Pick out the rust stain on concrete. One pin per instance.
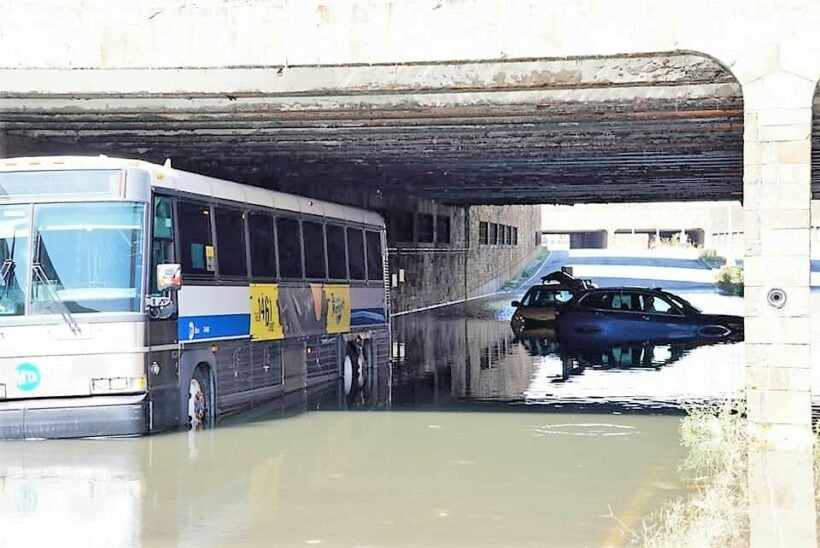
(543, 78)
(538, 79)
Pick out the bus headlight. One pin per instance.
(2, 391)
(118, 384)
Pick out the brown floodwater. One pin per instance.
(469, 436)
(343, 478)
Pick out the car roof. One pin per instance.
(626, 288)
(550, 286)
(656, 291)
(566, 279)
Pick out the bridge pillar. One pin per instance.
(777, 206)
(777, 215)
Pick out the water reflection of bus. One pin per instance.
(102, 336)
(331, 478)
(150, 491)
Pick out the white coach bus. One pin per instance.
(136, 298)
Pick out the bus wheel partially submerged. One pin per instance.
(199, 399)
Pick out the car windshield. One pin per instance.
(546, 296)
(79, 257)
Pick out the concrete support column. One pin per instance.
(777, 201)
(777, 214)
(610, 239)
(781, 498)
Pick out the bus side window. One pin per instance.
(313, 236)
(355, 253)
(195, 240)
(230, 242)
(374, 255)
(289, 243)
(162, 243)
(263, 258)
(336, 252)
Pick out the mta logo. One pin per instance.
(28, 376)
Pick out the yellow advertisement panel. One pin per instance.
(338, 308)
(265, 322)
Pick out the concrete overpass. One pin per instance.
(477, 132)
(462, 102)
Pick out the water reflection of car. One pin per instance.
(539, 304)
(649, 355)
(624, 315)
(538, 341)
(634, 356)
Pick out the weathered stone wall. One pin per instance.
(436, 273)
(490, 266)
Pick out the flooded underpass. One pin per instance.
(472, 436)
(468, 355)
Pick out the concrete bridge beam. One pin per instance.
(777, 211)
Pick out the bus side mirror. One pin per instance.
(515, 304)
(169, 277)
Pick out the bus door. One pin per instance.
(163, 356)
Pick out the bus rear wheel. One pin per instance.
(199, 400)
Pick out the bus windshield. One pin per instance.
(79, 257)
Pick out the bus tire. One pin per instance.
(347, 374)
(200, 399)
(353, 370)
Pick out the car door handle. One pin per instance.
(646, 317)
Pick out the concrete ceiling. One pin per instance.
(650, 128)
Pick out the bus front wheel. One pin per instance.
(199, 399)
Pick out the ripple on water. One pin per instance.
(584, 429)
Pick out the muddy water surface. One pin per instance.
(348, 479)
(471, 436)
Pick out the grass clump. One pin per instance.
(717, 468)
(730, 280)
(716, 514)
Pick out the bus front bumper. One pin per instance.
(75, 417)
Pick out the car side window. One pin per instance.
(657, 305)
(596, 300)
(623, 301)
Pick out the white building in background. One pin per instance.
(714, 226)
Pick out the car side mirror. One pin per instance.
(169, 277)
(515, 304)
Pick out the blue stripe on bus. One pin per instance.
(193, 328)
(368, 316)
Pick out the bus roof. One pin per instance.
(183, 181)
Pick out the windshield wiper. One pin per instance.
(51, 294)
